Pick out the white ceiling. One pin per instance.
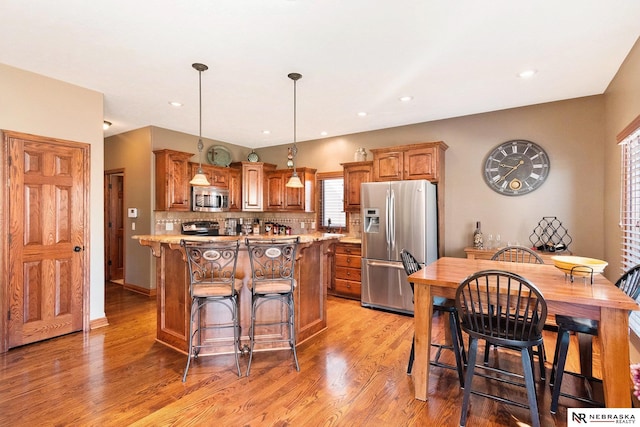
(455, 57)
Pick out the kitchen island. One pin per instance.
(313, 266)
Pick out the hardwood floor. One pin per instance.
(353, 374)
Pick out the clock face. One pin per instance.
(516, 167)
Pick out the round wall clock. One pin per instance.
(516, 167)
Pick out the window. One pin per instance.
(330, 201)
(629, 141)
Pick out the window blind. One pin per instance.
(331, 200)
(630, 209)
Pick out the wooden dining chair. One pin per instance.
(520, 254)
(441, 305)
(585, 329)
(504, 309)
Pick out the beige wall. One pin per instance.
(39, 105)
(131, 151)
(622, 105)
(570, 131)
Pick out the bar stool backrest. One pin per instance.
(272, 263)
(212, 267)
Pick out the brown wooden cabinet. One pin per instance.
(253, 174)
(218, 176)
(355, 173)
(414, 161)
(235, 190)
(279, 197)
(347, 271)
(172, 180)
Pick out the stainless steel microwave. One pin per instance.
(209, 199)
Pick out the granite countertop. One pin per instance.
(348, 239)
(175, 238)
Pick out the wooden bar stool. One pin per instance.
(272, 279)
(212, 277)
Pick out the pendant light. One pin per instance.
(294, 181)
(200, 178)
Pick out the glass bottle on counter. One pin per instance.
(478, 239)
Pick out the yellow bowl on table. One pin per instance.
(578, 265)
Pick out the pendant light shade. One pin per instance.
(200, 178)
(294, 181)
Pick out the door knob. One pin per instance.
(77, 249)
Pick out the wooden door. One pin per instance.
(114, 225)
(47, 223)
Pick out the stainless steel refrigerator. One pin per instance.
(396, 215)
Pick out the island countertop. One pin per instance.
(175, 238)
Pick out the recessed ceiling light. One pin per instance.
(362, 114)
(324, 133)
(266, 132)
(106, 125)
(527, 74)
(405, 98)
(175, 103)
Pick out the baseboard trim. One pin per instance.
(140, 290)
(98, 323)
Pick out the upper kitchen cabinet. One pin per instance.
(282, 198)
(218, 176)
(355, 173)
(172, 180)
(253, 177)
(235, 190)
(414, 161)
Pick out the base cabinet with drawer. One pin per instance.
(346, 281)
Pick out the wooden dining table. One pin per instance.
(600, 300)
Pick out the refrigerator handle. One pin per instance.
(396, 265)
(387, 220)
(392, 219)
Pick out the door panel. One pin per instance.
(374, 234)
(46, 235)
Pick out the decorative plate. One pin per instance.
(219, 155)
(253, 156)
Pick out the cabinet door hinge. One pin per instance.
(9, 314)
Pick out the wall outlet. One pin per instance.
(313, 225)
(302, 225)
(168, 226)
